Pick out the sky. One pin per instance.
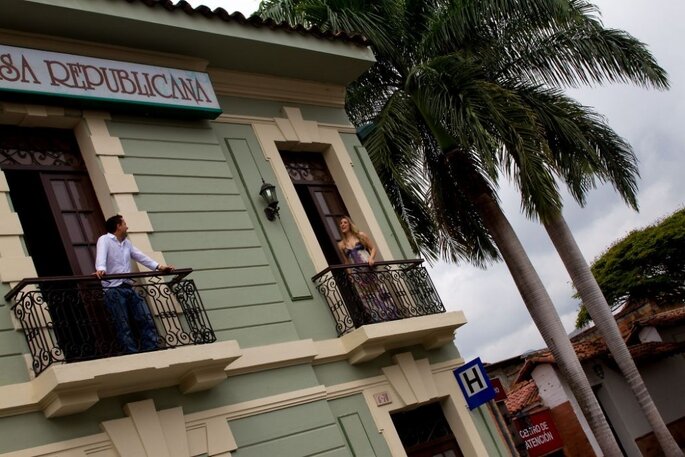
(653, 122)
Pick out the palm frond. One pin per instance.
(583, 53)
(281, 11)
(471, 24)
(583, 146)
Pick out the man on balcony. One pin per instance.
(126, 307)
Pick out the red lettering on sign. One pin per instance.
(539, 433)
(8, 71)
(26, 68)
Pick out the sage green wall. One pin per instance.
(304, 430)
(487, 429)
(269, 109)
(198, 182)
(33, 429)
(341, 372)
(282, 240)
(13, 345)
(201, 221)
(371, 185)
(357, 425)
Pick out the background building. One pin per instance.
(656, 340)
(176, 118)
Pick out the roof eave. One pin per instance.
(223, 44)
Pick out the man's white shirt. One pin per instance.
(114, 257)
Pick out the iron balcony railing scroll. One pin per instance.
(390, 290)
(64, 318)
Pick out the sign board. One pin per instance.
(539, 433)
(500, 393)
(35, 72)
(382, 398)
(474, 383)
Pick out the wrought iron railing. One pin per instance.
(358, 294)
(75, 318)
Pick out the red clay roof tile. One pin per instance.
(254, 21)
(521, 396)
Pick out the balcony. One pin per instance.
(67, 318)
(359, 295)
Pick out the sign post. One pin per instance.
(474, 383)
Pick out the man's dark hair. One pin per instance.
(112, 223)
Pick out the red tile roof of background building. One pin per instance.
(672, 317)
(255, 21)
(522, 396)
(588, 350)
(665, 319)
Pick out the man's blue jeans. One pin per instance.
(128, 308)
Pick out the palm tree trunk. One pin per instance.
(546, 319)
(599, 310)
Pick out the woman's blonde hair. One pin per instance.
(353, 228)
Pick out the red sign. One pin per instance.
(500, 393)
(539, 433)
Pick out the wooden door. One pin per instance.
(80, 223)
(330, 208)
(55, 201)
(441, 447)
(425, 432)
(77, 215)
(320, 199)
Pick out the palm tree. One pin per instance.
(455, 82)
(599, 310)
(584, 137)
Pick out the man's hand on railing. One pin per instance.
(163, 268)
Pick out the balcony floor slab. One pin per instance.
(70, 388)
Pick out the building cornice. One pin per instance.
(265, 87)
(71, 388)
(103, 51)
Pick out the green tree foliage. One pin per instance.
(647, 264)
(465, 92)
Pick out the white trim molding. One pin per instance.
(264, 87)
(101, 151)
(147, 432)
(361, 345)
(64, 389)
(412, 383)
(293, 133)
(113, 188)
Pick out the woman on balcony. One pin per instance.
(359, 250)
(356, 246)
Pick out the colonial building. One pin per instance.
(224, 143)
(656, 340)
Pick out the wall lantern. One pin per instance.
(268, 193)
(599, 370)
